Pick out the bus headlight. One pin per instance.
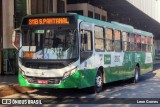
(22, 72)
(69, 73)
(66, 74)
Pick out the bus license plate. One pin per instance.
(42, 81)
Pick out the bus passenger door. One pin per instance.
(86, 47)
(86, 58)
(86, 42)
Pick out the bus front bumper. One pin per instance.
(80, 79)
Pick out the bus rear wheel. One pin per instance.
(136, 75)
(98, 82)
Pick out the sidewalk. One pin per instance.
(9, 86)
(6, 80)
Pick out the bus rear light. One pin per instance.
(28, 54)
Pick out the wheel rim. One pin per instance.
(98, 81)
(136, 75)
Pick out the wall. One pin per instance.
(1, 28)
(36, 6)
(8, 13)
(1, 35)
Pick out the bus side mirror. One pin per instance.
(85, 38)
(82, 39)
(16, 38)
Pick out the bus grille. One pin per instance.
(34, 80)
(36, 65)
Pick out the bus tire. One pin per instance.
(136, 75)
(98, 82)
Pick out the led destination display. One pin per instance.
(48, 21)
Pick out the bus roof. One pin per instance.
(106, 24)
(48, 15)
(143, 33)
(124, 27)
(113, 24)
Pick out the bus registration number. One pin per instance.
(42, 81)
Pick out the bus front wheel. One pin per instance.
(98, 82)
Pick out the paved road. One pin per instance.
(148, 87)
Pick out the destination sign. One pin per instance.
(48, 21)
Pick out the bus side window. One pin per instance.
(138, 42)
(149, 44)
(99, 38)
(125, 38)
(117, 40)
(86, 41)
(144, 45)
(132, 42)
(109, 39)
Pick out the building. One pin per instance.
(46, 6)
(88, 10)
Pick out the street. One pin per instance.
(147, 87)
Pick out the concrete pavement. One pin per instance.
(6, 80)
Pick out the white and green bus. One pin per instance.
(73, 51)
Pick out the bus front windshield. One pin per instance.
(49, 44)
